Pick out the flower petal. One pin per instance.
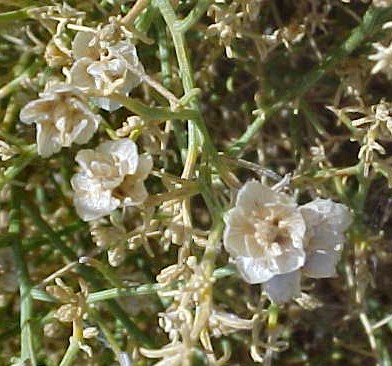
(125, 153)
(84, 45)
(94, 204)
(321, 264)
(282, 288)
(254, 195)
(254, 270)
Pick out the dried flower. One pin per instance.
(376, 123)
(222, 323)
(105, 61)
(62, 118)
(74, 304)
(55, 57)
(111, 176)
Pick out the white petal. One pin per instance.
(79, 75)
(36, 111)
(291, 260)
(81, 182)
(115, 68)
(254, 195)
(321, 264)
(47, 143)
(106, 104)
(83, 45)
(124, 151)
(85, 157)
(334, 214)
(254, 270)
(282, 288)
(95, 204)
(136, 192)
(235, 230)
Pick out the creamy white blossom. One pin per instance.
(274, 241)
(265, 233)
(62, 117)
(107, 61)
(111, 176)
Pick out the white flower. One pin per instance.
(111, 176)
(264, 233)
(105, 61)
(274, 241)
(383, 58)
(62, 118)
(326, 222)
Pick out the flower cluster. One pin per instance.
(111, 176)
(104, 62)
(273, 240)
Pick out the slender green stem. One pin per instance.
(164, 57)
(142, 290)
(186, 75)
(372, 22)
(113, 293)
(146, 289)
(15, 83)
(105, 270)
(74, 345)
(153, 113)
(194, 15)
(105, 330)
(26, 301)
(196, 125)
(42, 295)
(139, 336)
(71, 353)
(11, 16)
(20, 163)
(10, 116)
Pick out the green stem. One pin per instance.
(106, 331)
(71, 353)
(11, 16)
(152, 113)
(194, 15)
(164, 58)
(114, 293)
(74, 345)
(86, 272)
(195, 125)
(15, 83)
(186, 75)
(26, 301)
(372, 22)
(19, 164)
(146, 289)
